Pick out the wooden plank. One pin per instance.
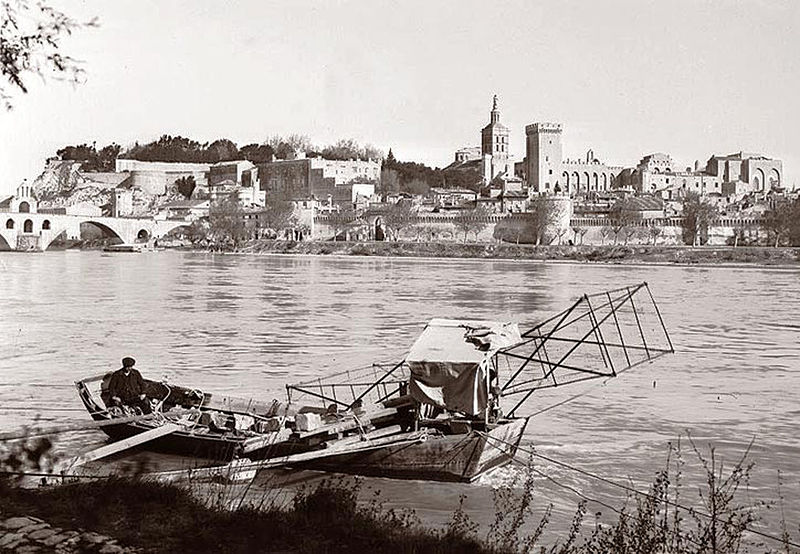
(335, 450)
(119, 446)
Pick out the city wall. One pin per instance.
(592, 231)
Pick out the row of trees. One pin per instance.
(780, 224)
(227, 227)
(418, 178)
(168, 148)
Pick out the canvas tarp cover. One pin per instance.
(449, 360)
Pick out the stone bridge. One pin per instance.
(36, 231)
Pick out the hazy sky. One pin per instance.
(626, 78)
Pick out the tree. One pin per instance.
(226, 219)
(399, 216)
(197, 231)
(606, 233)
(654, 232)
(257, 153)
(93, 160)
(342, 221)
(390, 182)
(777, 221)
(277, 215)
(390, 160)
(578, 232)
(794, 231)
(622, 216)
(560, 233)
(416, 187)
(30, 44)
(472, 221)
(285, 148)
(221, 150)
(698, 216)
(186, 186)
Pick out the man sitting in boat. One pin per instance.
(126, 387)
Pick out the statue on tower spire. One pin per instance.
(495, 115)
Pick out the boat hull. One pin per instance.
(461, 458)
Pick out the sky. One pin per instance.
(626, 78)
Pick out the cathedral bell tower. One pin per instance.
(494, 145)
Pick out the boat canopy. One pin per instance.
(450, 361)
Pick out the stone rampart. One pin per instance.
(444, 227)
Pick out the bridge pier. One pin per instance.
(36, 231)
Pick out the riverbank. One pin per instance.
(152, 517)
(683, 255)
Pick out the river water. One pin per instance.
(246, 325)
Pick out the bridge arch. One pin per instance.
(4, 244)
(143, 235)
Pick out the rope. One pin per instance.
(565, 465)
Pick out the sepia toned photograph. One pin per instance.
(408, 277)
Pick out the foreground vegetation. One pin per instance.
(333, 517)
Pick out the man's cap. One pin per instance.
(128, 362)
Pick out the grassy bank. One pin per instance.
(328, 517)
(709, 255)
(166, 518)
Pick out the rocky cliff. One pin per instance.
(62, 184)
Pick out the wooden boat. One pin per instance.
(125, 248)
(446, 411)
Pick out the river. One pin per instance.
(246, 325)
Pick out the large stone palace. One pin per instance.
(545, 170)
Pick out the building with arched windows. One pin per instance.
(549, 173)
(22, 202)
(732, 175)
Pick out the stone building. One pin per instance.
(468, 154)
(494, 146)
(304, 178)
(588, 176)
(543, 158)
(24, 201)
(548, 173)
(238, 178)
(122, 202)
(758, 171)
(733, 175)
(155, 177)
